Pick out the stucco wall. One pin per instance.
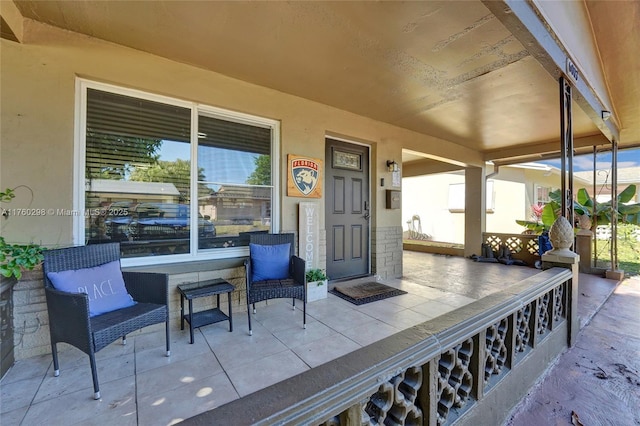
(38, 101)
(514, 193)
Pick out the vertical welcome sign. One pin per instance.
(309, 233)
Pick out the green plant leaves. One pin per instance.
(315, 275)
(584, 205)
(14, 258)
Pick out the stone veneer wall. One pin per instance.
(234, 276)
(386, 252)
(30, 317)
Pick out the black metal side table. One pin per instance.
(201, 289)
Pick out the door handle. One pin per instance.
(366, 210)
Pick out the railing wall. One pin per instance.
(522, 246)
(433, 373)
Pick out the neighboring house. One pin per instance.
(511, 192)
(119, 191)
(237, 204)
(626, 176)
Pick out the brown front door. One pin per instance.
(347, 209)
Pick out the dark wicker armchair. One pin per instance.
(69, 319)
(293, 286)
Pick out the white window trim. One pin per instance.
(536, 188)
(457, 197)
(79, 153)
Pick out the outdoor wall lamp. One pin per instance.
(392, 166)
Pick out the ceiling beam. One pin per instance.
(427, 167)
(531, 29)
(11, 21)
(540, 149)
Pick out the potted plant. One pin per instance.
(316, 284)
(15, 258)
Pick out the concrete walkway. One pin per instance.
(597, 381)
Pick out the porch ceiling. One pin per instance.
(447, 69)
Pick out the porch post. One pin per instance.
(569, 261)
(615, 272)
(566, 149)
(474, 209)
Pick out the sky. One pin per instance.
(626, 158)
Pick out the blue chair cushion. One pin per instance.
(269, 262)
(103, 284)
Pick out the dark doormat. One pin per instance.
(362, 293)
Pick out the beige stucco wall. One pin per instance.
(38, 101)
(443, 225)
(513, 192)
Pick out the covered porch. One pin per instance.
(142, 387)
(432, 85)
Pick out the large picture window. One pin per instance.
(160, 188)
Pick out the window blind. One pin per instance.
(234, 136)
(123, 131)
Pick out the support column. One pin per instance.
(594, 217)
(614, 273)
(584, 242)
(571, 261)
(566, 150)
(475, 200)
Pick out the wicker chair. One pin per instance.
(69, 319)
(293, 286)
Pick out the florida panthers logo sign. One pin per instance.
(304, 176)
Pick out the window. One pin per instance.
(542, 195)
(158, 187)
(457, 197)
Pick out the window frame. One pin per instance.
(536, 190)
(456, 201)
(195, 254)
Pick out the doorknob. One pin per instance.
(366, 210)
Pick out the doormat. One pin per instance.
(362, 293)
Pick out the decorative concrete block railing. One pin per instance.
(523, 246)
(470, 366)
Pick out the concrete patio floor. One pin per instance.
(597, 381)
(140, 386)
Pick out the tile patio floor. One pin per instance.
(140, 386)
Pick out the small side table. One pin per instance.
(201, 289)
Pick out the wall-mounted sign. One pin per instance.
(304, 177)
(572, 71)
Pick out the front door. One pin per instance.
(347, 209)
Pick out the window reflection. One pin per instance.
(235, 161)
(138, 180)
